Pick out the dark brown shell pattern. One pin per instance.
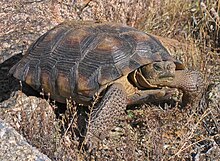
(73, 60)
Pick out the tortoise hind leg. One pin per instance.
(105, 116)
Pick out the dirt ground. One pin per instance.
(190, 30)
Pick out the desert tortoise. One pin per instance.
(76, 60)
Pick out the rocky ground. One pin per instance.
(13, 146)
(148, 132)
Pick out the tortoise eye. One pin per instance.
(157, 67)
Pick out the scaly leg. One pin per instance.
(154, 95)
(105, 116)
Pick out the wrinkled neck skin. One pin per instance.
(188, 81)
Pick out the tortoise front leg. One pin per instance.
(105, 116)
(153, 95)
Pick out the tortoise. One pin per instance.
(80, 59)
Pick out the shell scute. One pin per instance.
(107, 73)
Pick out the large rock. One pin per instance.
(13, 146)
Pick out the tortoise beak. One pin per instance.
(167, 74)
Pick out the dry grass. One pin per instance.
(150, 131)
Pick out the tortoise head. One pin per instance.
(157, 73)
(165, 73)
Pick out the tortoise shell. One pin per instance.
(75, 59)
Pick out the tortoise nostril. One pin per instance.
(170, 66)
